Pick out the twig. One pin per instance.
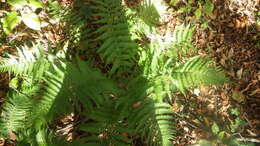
(244, 139)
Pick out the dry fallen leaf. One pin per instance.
(231, 53)
(254, 92)
(2, 141)
(238, 96)
(239, 73)
(204, 90)
(210, 106)
(12, 136)
(137, 104)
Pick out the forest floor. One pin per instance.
(232, 39)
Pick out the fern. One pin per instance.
(30, 62)
(77, 28)
(117, 48)
(197, 71)
(165, 75)
(147, 11)
(16, 113)
(108, 126)
(113, 111)
(54, 82)
(182, 41)
(154, 122)
(144, 115)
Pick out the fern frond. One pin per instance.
(16, 112)
(95, 86)
(146, 115)
(64, 82)
(148, 13)
(54, 83)
(181, 42)
(117, 48)
(41, 137)
(197, 71)
(77, 20)
(154, 121)
(183, 34)
(108, 127)
(29, 62)
(56, 11)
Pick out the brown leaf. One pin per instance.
(204, 91)
(231, 53)
(137, 104)
(2, 141)
(12, 136)
(255, 92)
(238, 96)
(239, 73)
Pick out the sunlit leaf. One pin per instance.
(14, 83)
(205, 24)
(221, 135)
(235, 111)
(209, 7)
(184, 9)
(10, 21)
(17, 3)
(174, 2)
(197, 13)
(31, 20)
(215, 128)
(34, 4)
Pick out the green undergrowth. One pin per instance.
(112, 70)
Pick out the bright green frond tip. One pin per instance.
(29, 61)
(197, 71)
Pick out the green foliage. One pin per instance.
(10, 21)
(30, 62)
(221, 137)
(148, 13)
(15, 113)
(197, 71)
(126, 100)
(206, 7)
(235, 111)
(181, 44)
(17, 3)
(28, 16)
(117, 48)
(199, 10)
(215, 128)
(239, 123)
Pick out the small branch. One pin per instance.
(244, 139)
